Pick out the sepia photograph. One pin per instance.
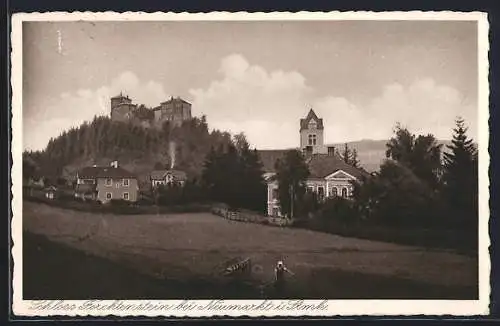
(285, 161)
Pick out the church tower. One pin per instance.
(311, 134)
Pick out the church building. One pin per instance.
(329, 175)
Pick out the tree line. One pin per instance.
(419, 185)
(104, 138)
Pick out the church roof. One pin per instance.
(311, 115)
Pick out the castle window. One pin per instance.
(344, 192)
(312, 140)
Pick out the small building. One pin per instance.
(107, 183)
(86, 191)
(167, 177)
(36, 182)
(50, 192)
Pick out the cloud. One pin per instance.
(267, 106)
(424, 107)
(250, 99)
(71, 109)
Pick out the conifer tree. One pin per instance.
(291, 173)
(460, 178)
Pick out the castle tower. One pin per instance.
(119, 99)
(311, 134)
(121, 108)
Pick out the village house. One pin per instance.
(105, 183)
(50, 192)
(167, 177)
(329, 175)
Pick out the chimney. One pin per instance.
(114, 164)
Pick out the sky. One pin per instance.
(260, 77)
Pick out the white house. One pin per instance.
(167, 177)
(329, 175)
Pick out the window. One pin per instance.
(334, 192)
(344, 192)
(126, 182)
(125, 195)
(312, 124)
(274, 194)
(276, 211)
(321, 193)
(310, 189)
(312, 140)
(109, 181)
(109, 195)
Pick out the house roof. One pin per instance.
(93, 172)
(85, 188)
(161, 174)
(121, 96)
(268, 158)
(311, 115)
(322, 165)
(176, 99)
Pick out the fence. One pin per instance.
(250, 217)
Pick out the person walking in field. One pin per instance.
(279, 282)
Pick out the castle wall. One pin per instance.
(122, 112)
(175, 110)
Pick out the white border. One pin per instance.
(334, 307)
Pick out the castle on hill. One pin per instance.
(175, 110)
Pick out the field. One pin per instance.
(182, 255)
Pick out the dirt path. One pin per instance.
(196, 244)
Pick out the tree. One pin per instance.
(234, 176)
(354, 158)
(395, 196)
(420, 154)
(460, 178)
(350, 156)
(291, 173)
(346, 154)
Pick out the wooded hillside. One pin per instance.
(136, 148)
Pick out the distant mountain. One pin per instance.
(371, 153)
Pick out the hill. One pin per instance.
(371, 153)
(136, 148)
